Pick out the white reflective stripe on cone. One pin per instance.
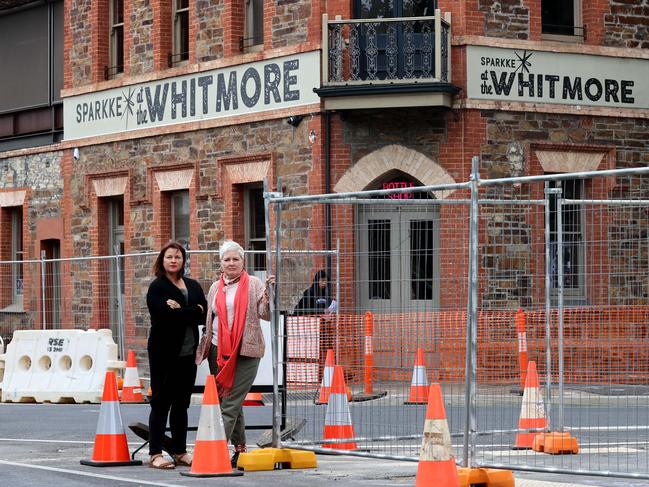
(110, 419)
(327, 377)
(338, 411)
(210, 423)
(131, 378)
(436, 444)
(419, 376)
(532, 406)
(368, 345)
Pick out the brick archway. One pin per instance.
(388, 158)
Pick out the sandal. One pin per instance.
(158, 461)
(183, 459)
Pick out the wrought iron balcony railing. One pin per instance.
(386, 50)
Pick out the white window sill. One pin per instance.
(13, 308)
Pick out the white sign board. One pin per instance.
(516, 75)
(243, 89)
(265, 372)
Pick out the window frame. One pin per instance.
(577, 27)
(181, 195)
(250, 36)
(17, 254)
(177, 56)
(256, 262)
(578, 293)
(115, 68)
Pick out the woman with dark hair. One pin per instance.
(317, 298)
(177, 306)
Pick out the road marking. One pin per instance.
(85, 474)
(608, 428)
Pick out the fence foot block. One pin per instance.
(276, 458)
(361, 396)
(557, 443)
(487, 477)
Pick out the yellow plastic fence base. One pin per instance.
(487, 477)
(275, 458)
(556, 443)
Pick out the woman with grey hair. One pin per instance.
(235, 304)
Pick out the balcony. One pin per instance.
(386, 62)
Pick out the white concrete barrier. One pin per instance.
(58, 365)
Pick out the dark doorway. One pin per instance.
(51, 249)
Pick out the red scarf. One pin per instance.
(229, 341)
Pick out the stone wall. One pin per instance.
(41, 173)
(509, 233)
(80, 42)
(627, 25)
(505, 18)
(210, 33)
(290, 22)
(293, 160)
(141, 30)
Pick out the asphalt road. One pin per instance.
(42, 444)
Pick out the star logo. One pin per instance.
(129, 104)
(525, 64)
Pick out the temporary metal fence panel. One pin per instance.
(564, 257)
(400, 286)
(572, 251)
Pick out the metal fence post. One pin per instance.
(274, 314)
(548, 300)
(43, 281)
(471, 332)
(120, 309)
(560, 305)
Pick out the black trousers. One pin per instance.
(171, 396)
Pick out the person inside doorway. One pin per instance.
(317, 298)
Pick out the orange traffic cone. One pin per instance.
(436, 462)
(111, 447)
(419, 383)
(532, 410)
(211, 457)
(338, 419)
(253, 399)
(325, 386)
(132, 388)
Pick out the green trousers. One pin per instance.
(232, 406)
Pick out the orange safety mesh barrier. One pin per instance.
(601, 345)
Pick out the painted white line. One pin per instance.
(27, 440)
(582, 451)
(85, 474)
(608, 428)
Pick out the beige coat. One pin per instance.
(252, 341)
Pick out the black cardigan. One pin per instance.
(168, 325)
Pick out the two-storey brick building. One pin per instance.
(160, 120)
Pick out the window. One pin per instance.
(561, 20)
(572, 245)
(379, 259)
(180, 217)
(31, 56)
(116, 51)
(17, 255)
(253, 38)
(255, 227)
(180, 32)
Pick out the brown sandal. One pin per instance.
(158, 461)
(183, 459)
